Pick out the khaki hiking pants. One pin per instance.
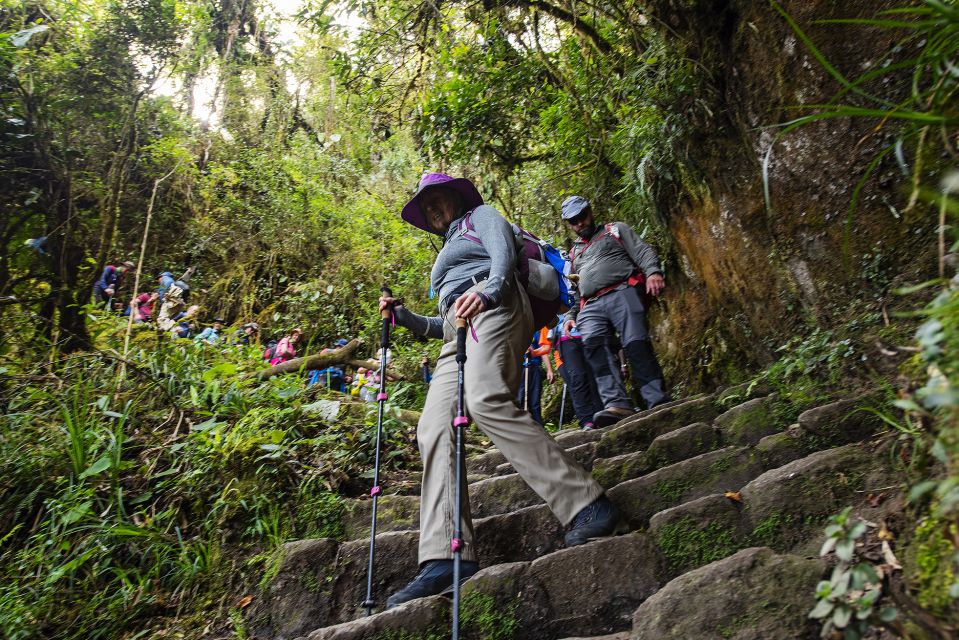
(491, 378)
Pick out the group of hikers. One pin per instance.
(178, 318)
(476, 277)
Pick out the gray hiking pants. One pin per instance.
(621, 311)
(491, 377)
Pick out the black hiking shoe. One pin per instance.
(610, 416)
(595, 520)
(435, 577)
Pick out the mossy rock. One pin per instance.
(790, 504)
(297, 599)
(784, 447)
(699, 532)
(930, 568)
(843, 421)
(609, 472)
(594, 588)
(524, 534)
(394, 513)
(749, 422)
(754, 594)
(501, 494)
(636, 433)
(681, 444)
(714, 472)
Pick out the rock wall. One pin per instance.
(745, 276)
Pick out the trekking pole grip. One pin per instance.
(386, 291)
(460, 339)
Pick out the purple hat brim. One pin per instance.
(413, 214)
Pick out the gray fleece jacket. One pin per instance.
(460, 260)
(607, 259)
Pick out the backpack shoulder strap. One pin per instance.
(467, 230)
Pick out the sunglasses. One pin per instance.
(578, 218)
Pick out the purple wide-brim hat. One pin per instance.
(412, 212)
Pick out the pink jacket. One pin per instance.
(284, 351)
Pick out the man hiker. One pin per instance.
(530, 394)
(615, 267)
(211, 335)
(245, 334)
(571, 364)
(477, 282)
(110, 280)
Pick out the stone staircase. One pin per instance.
(724, 502)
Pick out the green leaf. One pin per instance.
(97, 467)
(888, 614)
(828, 546)
(921, 489)
(844, 549)
(77, 512)
(822, 609)
(857, 530)
(841, 616)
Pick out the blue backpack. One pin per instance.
(543, 270)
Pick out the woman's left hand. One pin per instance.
(469, 305)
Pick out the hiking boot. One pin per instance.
(587, 426)
(435, 577)
(611, 415)
(595, 520)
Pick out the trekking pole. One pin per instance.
(460, 422)
(526, 381)
(562, 406)
(387, 313)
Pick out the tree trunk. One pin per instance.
(316, 361)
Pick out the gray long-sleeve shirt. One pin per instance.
(607, 259)
(461, 259)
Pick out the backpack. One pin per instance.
(270, 352)
(543, 271)
(184, 289)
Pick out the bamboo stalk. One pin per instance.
(139, 270)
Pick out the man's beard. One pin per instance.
(587, 232)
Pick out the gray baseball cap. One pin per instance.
(573, 206)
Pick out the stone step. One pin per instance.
(785, 508)
(636, 432)
(754, 594)
(714, 472)
(580, 591)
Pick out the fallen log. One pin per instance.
(342, 355)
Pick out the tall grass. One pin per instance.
(125, 507)
(927, 118)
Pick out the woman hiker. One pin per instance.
(478, 282)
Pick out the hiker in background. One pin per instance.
(617, 270)
(531, 384)
(37, 244)
(184, 329)
(425, 368)
(571, 363)
(245, 334)
(171, 310)
(166, 281)
(286, 348)
(359, 380)
(211, 335)
(110, 281)
(142, 307)
(477, 281)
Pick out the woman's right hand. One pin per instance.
(386, 302)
